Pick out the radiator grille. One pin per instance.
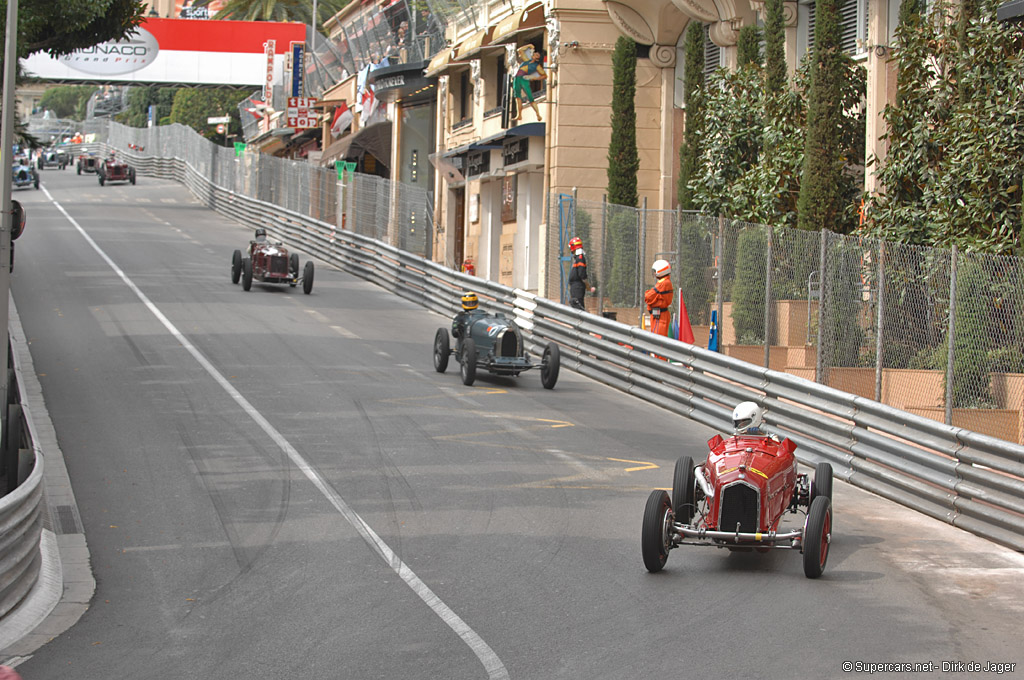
(279, 265)
(508, 343)
(739, 505)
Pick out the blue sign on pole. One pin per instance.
(151, 116)
(298, 52)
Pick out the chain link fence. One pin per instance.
(395, 213)
(931, 331)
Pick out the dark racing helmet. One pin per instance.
(470, 301)
(261, 234)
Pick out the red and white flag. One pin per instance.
(342, 119)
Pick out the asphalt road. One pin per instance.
(275, 485)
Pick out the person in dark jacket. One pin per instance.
(578, 273)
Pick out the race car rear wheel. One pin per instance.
(442, 350)
(817, 536)
(293, 265)
(100, 175)
(654, 537)
(683, 490)
(246, 273)
(307, 278)
(131, 175)
(236, 266)
(468, 363)
(821, 485)
(549, 365)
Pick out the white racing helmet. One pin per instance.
(747, 416)
(661, 268)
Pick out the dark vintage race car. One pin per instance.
(736, 499)
(87, 162)
(269, 262)
(495, 344)
(52, 158)
(113, 170)
(23, 175)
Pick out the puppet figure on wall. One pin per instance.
(530, 68)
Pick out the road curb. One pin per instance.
(66, 583)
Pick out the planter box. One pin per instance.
(790, 322)
(754, 354)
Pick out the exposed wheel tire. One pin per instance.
(821, 484)
(236, 266)
(442, 350)
(35, 182)
(683, 495)
(654, 533)
(307, 278)
(293, 264)
(246, 273)
(467, 366)
(100, 175)
(549, 365)
(131, 175)
(817, 536)
(79, 168)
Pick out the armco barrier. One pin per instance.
(961, 477)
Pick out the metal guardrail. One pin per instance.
(966, 479)
(21, 523)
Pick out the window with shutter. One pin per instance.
(712, 54)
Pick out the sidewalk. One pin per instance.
(66, 583)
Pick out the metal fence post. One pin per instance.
(768, 300)
(638, 290)
(880, 321)
(819, 360)
(952, 336)
(720, 288)
(602, 282)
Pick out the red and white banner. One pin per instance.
(177, 52)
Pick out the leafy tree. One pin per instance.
(139, 101)
(693, 86)
(971, 338)
(278, 10)
(623, 157)
(954, 168)
(774, 56)
(193, 106)
(695, 248)
(842, 334)
(827, 191)
(67, 101)
(60, 27)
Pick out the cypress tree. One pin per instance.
(623, 157)
(774, 55)
(693, 101)
(748, 46)
(820, 205)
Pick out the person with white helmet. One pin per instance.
(748, 420)
(659, 298)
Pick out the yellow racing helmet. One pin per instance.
(470, 301)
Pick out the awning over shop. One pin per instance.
(508, 28)
(374, 139)
(439, 64)
(526, 130)
(337, 151)
(473, 45)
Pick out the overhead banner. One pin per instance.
(178, 52)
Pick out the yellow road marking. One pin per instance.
(644, 465)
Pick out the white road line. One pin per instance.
(495, 668)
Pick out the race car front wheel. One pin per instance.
(307, 278)
(654, 537)
(442, 350)
(549, 365)
(683, 490)
(817, 536)
(236, 266)
(821, 484)
(246, 273)
(468, 366)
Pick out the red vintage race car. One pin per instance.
(87, 162)
(737, 498)
(113, 170)
(269, 262)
